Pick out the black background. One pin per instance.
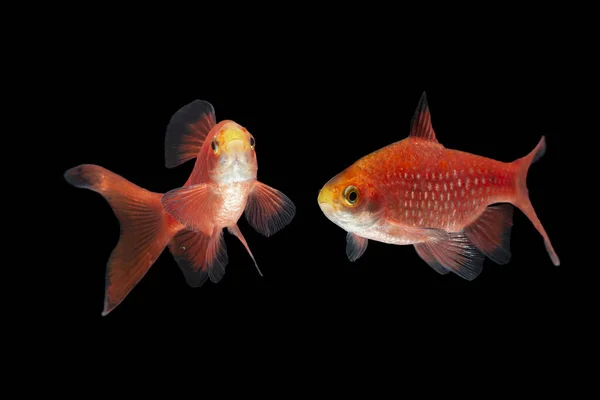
(319, 86)
(313, 112)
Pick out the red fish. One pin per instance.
(189, 220)
(454, 207)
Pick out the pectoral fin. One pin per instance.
(193, 206)
(355, 246)
(268, 210)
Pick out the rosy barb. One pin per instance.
(454, 207)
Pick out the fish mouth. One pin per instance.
(325, 196)
(325, 200)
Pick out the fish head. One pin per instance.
(351, 201)
(231, 155)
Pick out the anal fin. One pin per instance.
(490, 233)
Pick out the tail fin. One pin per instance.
(143, 225)
(522, 198)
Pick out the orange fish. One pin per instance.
(444, 202)
(189, 220)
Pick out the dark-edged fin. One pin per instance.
(455, 253)
(189, 250)
(192, 206)
(425, 253)
(490, 233)
(187, 131)
(355, 246)
(421, 123)
(200, 256)
(268, 210)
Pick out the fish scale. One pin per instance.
(455, 207)
(446, 191)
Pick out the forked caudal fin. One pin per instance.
(522, 198)
(143, 226)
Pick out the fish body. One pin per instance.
(188, 220)
(454, 207)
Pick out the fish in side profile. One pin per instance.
(454, 207)
(189, 220)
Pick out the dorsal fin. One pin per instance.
(187, 131)
(421, 122)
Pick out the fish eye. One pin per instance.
(351, 195)
(215, 146)
(252, 142)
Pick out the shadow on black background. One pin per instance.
(311, 118)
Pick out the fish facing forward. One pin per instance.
(189, 220)
(454, 207)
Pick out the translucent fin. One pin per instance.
(425, 253)
(189, 250)
(522, 200)
(490, 233)
(456, 253)
(235, 230)
(268, 210)
(355, 246)
(187, 131)
(193, 206)
(143, 225)
(199, 256)
(421, 123)
(216, 256)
